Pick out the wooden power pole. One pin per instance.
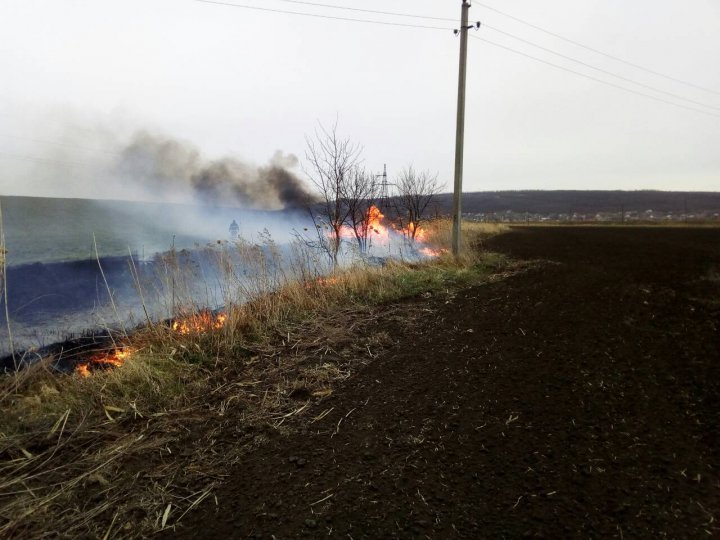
(460, 132)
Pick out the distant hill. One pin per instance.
(584, 202)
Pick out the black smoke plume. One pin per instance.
(162, 165)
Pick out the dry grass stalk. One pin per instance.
(132, 450)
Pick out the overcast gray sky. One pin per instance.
(79, 76)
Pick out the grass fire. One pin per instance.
(199, 323)
(235, 328)
(103, 361)
(287, 270)
(379, 231)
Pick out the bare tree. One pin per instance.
(415, 192)
(333, 164)
(361, 193)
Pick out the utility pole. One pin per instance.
(460, 132)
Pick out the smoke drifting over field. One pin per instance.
(162, 165)
(74, 154)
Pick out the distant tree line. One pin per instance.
(585, 202)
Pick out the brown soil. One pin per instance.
(577, 399)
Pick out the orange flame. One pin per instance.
(374, 219)
(376, 230)
(380, 233)
(83, 369)
(421, 235)
(199, 323)
(322, 281)
(103, 360)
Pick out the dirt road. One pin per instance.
(577, 399)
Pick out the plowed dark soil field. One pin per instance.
(579, 398)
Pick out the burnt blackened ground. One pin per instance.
(579, 398)
(53, 304)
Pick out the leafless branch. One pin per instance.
(332, 170)
(415, 192)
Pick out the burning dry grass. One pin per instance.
(130, 450)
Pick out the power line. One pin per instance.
(597, 51)
(430, 17)
(377, 12)
(484, 40)
(492, 28)
(576, 43)
(317, 16)
(649, 87)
